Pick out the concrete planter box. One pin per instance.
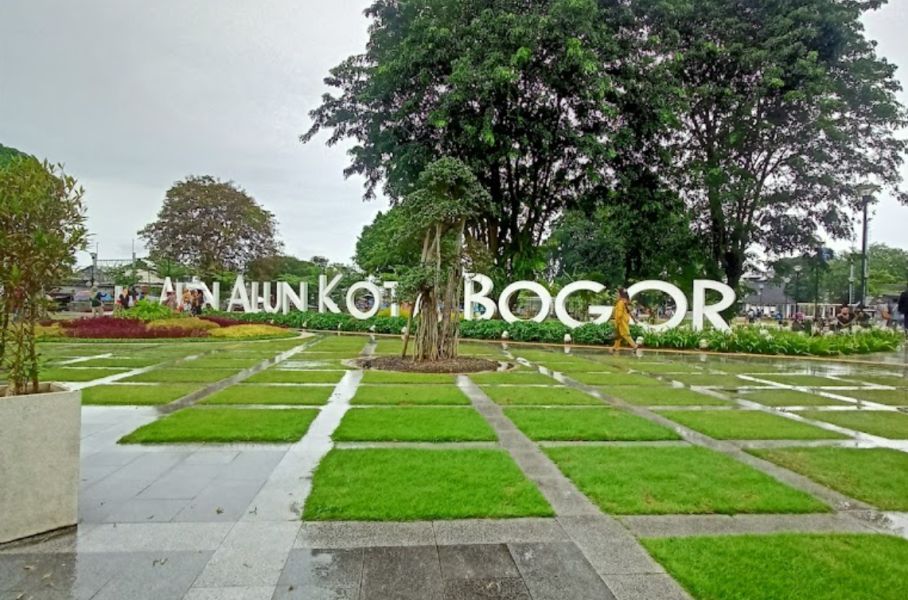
(39, 461)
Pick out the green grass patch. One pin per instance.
(890, 380)
(120, 363)
(586, 424)
(663, 367)
(741, 368)
(414, 425)
(748, 425)
(171, 375)
(304, 363)
(877, 476)
(352, 344)
(790, 566)
(474, 349)
(392, 347)
(889, 397)
(136, 395)
(225, 425)
(782, 397)
(726, 382)
(577, 366)
(395, 377)
(887, 424)
(616, 379)
(75, 375)
(653, 481)
(409, 394)
(663, 396)
(410, 485)
(215, 362)
(273, 375)
(271, 394)
(806, 380)
(540, 396)
(526, 378)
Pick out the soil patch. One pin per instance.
(408, 365)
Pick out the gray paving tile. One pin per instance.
(144, 511)
(498, 531)
(353, 534)
(558, 572)
(220, 501)
(155, 576)
(54, 576)
(486, 589)
(692, 525)
(253, 555)
(92, 474)
(479, 561)
(139, 537)
(610, 548)
(226, 593)
(565, 498)
(253, 466)
(152, 465)
(184, 481)
(110, 456)
(114, 489)
(402, 573)
(211, 457)
(646, 587)
(316, 574)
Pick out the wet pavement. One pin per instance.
(197, 522)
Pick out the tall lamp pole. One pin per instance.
(866, 192)
(816, 283)
(850, 281)
(797, 270)
(787, 280)
(761, 297)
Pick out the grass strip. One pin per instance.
(414, 425)
(136, 395)
(663, 396)
(788, 566)
(395, 377)
(273, 375)
(509, 378)
(783, 397)
(225, 425)
(271, 394)
(540, 396)
(172, 375)
(409, 394)
(887, 424)
(748, 425)
(586, 424)
(694, 480)
(409, 485)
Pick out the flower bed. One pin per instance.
(749, 339)
(126, 328)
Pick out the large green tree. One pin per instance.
(785, 111)
(212, 226)
(525, 93)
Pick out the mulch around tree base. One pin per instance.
(407, 365)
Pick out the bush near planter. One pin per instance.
(749, 339)
(183, 323)
(248, 331)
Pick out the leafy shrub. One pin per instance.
(221, 321)
(146, 310)
(116, 328)
(749, 339)
(248, 331)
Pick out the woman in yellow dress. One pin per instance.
(623, 321)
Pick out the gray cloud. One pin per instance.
(133, 96)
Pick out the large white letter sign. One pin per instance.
(239, 296)
(288, 296)
(351, 299)
(531, 286)
(266, 298)
(167, 287)
(481, 297)
(604, 312)
(712, 311)
(324, 293)
(391, 286)
(673, 291)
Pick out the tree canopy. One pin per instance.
(212, 226)
(733, 125)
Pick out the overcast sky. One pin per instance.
(134, 95)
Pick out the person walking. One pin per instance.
(171, 301)
(903, 309)
(97, 304)
(623, 321)
(124, 300)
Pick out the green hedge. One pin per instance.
(750, 339)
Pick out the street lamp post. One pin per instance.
(866, 192)
(816, 283)
(787, 280)
(94, 265)
(850, 282)
(761, 297)
(797, 270)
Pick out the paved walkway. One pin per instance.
(196, 522)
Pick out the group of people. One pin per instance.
(192, 302)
